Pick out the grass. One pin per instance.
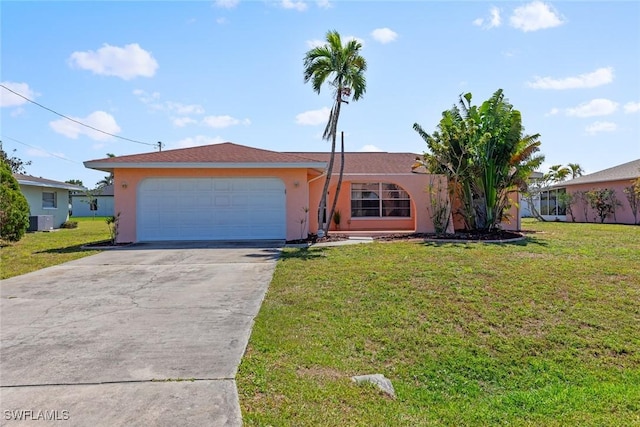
(44, 249)
(540, 333)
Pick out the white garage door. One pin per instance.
(211, 209)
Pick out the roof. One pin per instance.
(368, 162)
(230, 155)
(107, 190)
(42, 182)
(630, 170)
(225, 155)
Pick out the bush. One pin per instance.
(69, 224)
(14, 209)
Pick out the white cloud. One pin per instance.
(324, 4)
(370, 148)
(178, 108)
(183, 121)
(597, 127)
(599, 77)
(595, 107)
(221, 21)
(197, 141)
(631, 107)
(8, 99)
(493, 22)
(554, 111)
(226, 4)
(384, 35)
(535, 16)
(97, 119)
(219, 122)
(313, 117)
(298, 5)
(183, 109)
(125, 62)
(315, 43)
(36, 152)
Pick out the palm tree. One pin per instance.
(576, 170)
(558, 173)
(107, 180)
(343, 68)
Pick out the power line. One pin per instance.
(39, 149)
(74, 120)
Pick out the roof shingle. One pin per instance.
(629, 170)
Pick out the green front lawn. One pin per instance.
(544, 332)
(44, 249)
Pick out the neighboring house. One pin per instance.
(47, 197)
(525, 209)
(99, 204)
(230, 191)
(616, 178)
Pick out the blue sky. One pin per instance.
(202, 72)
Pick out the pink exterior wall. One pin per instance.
(624, 214)
(415, 184)
(512, 222)
(126, 182)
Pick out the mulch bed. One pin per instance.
(473, 236)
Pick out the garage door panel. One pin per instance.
(211, 209)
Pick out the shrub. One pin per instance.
(14, 209)
(69, 224)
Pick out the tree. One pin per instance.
(485, 154)
(75, 182)
(343, 68)
(576, 170)
(632, 193)
(107, 180)
(14, 209)
(558, 173)
(14, 164)
(603, 201)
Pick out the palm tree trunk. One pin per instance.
(335, 197)
(333, 131)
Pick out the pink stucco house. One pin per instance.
(615, 178)
(229, 191)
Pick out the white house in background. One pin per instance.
(525, 209)
(101, 204)
(47, 197)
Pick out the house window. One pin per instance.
(379, 200)
(49, 200)
(552, 202)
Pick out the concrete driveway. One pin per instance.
(148, 335)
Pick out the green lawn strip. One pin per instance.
(45, 249)
(539, 333)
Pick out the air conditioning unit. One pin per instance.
(41, 223)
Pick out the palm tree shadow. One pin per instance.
(304, 254)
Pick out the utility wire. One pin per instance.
(74, 120)
(39, 149)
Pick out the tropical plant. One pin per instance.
(558, 173)
(603, 201)
(485, 155)
(107, 180)
(632, 193)
(14, 209)
(576, 170)
(343, 68)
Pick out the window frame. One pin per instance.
(380, 189)
(53, 200)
